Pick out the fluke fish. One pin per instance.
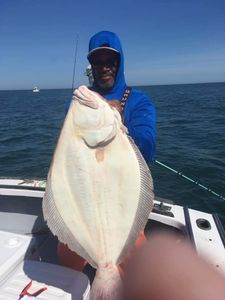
(99, 189)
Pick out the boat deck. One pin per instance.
(26, 243)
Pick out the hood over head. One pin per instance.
(110, 41)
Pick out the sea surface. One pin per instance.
(190, 139)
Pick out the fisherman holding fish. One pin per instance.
(107, 64)
(99, 193)
(95, 206)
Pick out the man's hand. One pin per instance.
(116, 104)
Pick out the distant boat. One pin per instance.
(35, 90)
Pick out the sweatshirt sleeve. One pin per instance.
(141, 126)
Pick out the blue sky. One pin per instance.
(164, 42)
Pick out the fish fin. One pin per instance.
(145, 204)
(107, 284)
(58, 227)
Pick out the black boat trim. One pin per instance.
(219, 228)
(189, 230)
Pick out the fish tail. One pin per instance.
(107, 284)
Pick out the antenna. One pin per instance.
(75, 60)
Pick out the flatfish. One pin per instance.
(99, 189)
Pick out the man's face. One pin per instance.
(104, 67)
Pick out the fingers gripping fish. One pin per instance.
(99, 190)
(94, 119)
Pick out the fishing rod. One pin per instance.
(190, 179)
(75, 61)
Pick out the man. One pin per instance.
(107, 62)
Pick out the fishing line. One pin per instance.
(74, 64)
(190, 179)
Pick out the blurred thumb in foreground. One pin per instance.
(168, 269)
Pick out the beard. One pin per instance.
(106, 85)
(105, 80)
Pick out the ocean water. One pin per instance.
(190, 139)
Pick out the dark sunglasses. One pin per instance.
(110, 63)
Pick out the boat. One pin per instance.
(28, 256)
(36, 90)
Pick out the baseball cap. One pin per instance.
(92, 53)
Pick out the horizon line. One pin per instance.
(145, 85)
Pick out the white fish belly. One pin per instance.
(93, 196)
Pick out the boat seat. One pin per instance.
(14, 248)
(62, 283)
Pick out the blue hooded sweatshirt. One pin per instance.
(139, 111)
